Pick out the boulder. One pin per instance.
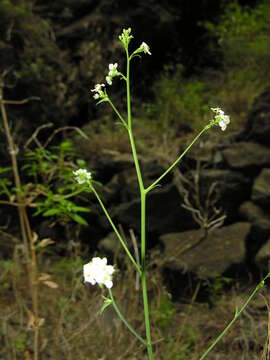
(248, 155)
(260, 226)
(110, 245)
(263, 256)
(233, 188)
(208, 256)
(261, 188)
(258, 123)
(124, 187)
(163, 211)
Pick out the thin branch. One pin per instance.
(80, 132)
(21, 102)
(33, 137)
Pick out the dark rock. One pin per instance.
(256, 215)
(247, 155)
(205, 152)
(261, 188)
(206, 257)
(110, 244)
(233, 189)
(263, 256)
(260, 226)
(164, 212)
(258, 124)
(124, 187)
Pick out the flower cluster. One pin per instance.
(113, 72)
(220, 118)
(99, 89)
(99, 93)
(98, 272)
(145, 48)
(125, 37)
(82, 176)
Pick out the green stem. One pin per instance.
(128, 91)
(116, 231)
(143, 215)
(118, 312)
(236, 316)
(177, 160)
(144, 287)
(118, 113)
(61, 197)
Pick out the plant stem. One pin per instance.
(124, 320)
(177, 160)
(34, 283)
(143, 215)
(25, 227)
(118, 113)
(143, 278)
(236, 316)
(116, 231)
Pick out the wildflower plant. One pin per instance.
(97, 271)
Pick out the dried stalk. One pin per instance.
(26, 231)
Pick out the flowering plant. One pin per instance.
(97, 271)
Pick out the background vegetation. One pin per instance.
(205, 54)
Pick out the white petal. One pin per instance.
(109, 284)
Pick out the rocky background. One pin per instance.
(209, 219)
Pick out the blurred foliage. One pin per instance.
(244, 36)
(50, 185)
(178, 101)
(54, 182)
(239, 41)
(163, 313)
(57, 50)
(38, 66)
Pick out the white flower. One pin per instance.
(109, 80)
(125, 37)
(220, 118)
(113, 67)
(98, 272)
(223, 123)
(82, 176)
(145, 48)
(99, 93)
(113, 72)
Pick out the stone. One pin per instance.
(233, 188)
(206, 257)
(260, 226)
(246, 155)
(124, 187)
(261, 188)
(258, 123)
(263, 256)
(164, 212)
(110, 244)
(256, 215)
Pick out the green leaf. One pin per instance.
(107, 302)
(78, 219)
(5, 169)
(51, 212)
(80, 209)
